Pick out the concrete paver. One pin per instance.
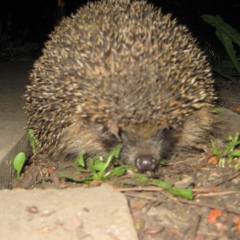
(99, 213)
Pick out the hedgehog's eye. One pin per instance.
(109, 142)
(163, 135)
(128, 138)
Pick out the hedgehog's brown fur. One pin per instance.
(120, 72)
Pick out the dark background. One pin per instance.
(32, 20)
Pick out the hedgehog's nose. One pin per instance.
(146, 163)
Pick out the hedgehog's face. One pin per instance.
(144, 145)
(145, 153)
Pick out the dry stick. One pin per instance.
(191, 234)
(140, 189)
(209, 189)
(217, 193)
(228, 179)
(144, 197)
(228, 208)
(158, 189)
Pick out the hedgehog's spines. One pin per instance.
(121, 62)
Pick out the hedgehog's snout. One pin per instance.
(146, 163)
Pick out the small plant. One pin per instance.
(36, 145)
(227, 35)
(104, 170)
(21, 158)
(229, 155)
(181, 192)
(18, 163)
(98, 169)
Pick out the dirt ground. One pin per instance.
(213, 214)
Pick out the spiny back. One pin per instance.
(117, 61)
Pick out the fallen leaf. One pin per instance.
(213, 160)
(214, 214)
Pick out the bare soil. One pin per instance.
(213, 214)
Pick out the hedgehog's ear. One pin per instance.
(114, 129)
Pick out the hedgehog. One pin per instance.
(121, 72)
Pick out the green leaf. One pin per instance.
(18, 163)
(222, 26)
(80, 160)
(235, 154)
(227, 43)
(185, 193)
(142, 178)
(98, 165)
(163, 162)
(216, 151)
(226, 34)
(36, 145)
(112, 155)
(118, 171)
(235, 139)
(231, 146)
(96, 176)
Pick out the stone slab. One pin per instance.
(99, 213)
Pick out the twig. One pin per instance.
(229, 209)
(217, 193)
(140, 189)
(191, 234)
